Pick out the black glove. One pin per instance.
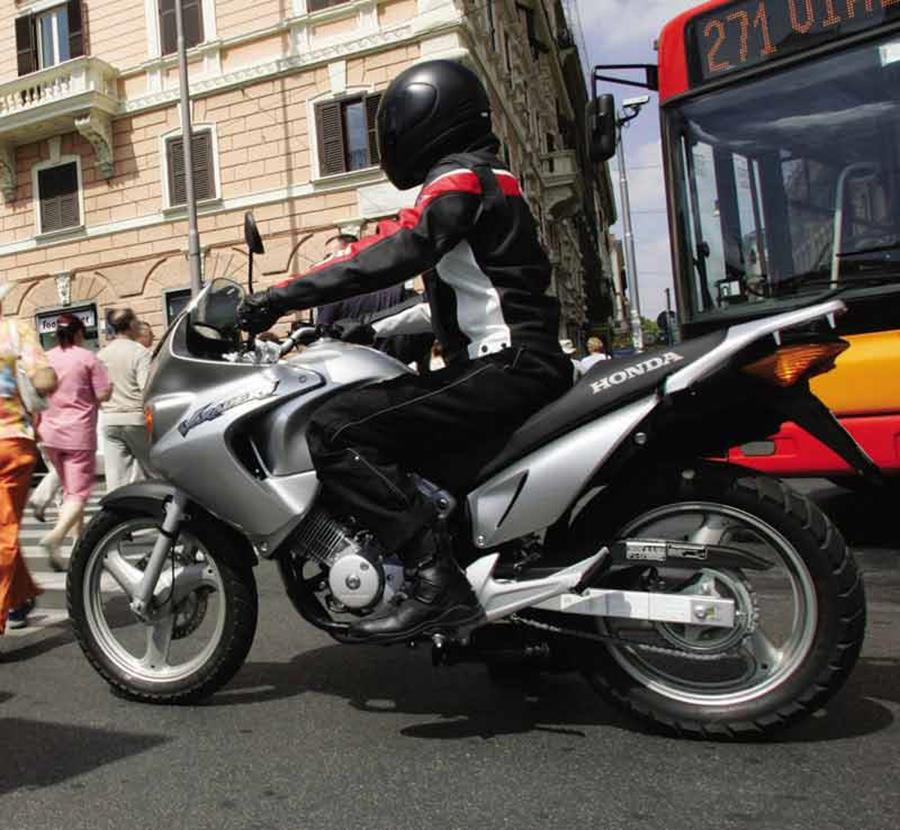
(353, 331)
(257, 312)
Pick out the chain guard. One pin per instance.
(611, 638)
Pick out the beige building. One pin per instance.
(284, 91)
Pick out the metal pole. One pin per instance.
(186, 133)
(637, 333)
(670, 334)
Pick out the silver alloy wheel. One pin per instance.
(769, 664)
(118, 559)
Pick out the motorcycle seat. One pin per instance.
(607, 386)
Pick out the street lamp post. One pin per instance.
(633, 106)
(187, 145)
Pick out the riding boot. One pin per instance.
(438, 597)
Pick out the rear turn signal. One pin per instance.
(148, 420)
(791, 364)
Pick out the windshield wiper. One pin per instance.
(875, 249)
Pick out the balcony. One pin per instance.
(562, 185)
(79, 94)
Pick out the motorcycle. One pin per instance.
(603, 537)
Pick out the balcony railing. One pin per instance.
(79, 94)
(561, 186)
(76, 84)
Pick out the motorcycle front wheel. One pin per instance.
(800, 620)
(204, 610)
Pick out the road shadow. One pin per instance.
(865, 517)
(398, 680)
(468, 704)
(857, 710)
(45, 639)
(37, 754)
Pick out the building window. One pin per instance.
(192, 14)
(347, 134)
(318, 5)
(204, 168)
(49, 37)
(58, 197)
(176, 301)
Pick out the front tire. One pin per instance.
(197, 644)
(823, 639)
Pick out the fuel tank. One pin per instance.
(232, 435)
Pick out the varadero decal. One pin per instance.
(653, 364)
(215, 410)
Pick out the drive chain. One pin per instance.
(611, 638)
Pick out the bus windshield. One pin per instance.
(787, 185)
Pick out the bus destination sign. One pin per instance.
(745, 34)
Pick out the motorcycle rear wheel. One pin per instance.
(194, 647)
(788, 678)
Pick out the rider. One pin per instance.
(486, 296)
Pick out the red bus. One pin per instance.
(781, 142)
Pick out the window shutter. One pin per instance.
(204, 182)
(192, 13)
(76, 29)
(175, 160)
(204, 179)
(318, 5)
(69, 210)
(168, 34)
(331, 138)
(26, 45)
(372, 102)
(58, 193)
(193, 22)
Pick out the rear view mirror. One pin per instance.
(251, 235)
(601, 123)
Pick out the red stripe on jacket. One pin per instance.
(464, 181)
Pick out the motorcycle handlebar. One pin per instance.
(300, 335)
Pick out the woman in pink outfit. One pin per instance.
(69, 427)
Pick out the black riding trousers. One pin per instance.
(365, 442)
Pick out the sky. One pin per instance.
(623, 31)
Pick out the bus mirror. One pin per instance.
(602, 128)
(653, 78)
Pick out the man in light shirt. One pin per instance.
(145, 335)
(126, 446)
(596, 353)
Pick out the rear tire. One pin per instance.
(839, 607)
(234, 634)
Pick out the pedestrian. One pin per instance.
(596, 353)
(20, 351)
(126, 445)
(47, 492)
(69, 427)
(144, 334)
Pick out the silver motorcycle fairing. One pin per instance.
(199, 434)
(535, 491)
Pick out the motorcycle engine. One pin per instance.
(358, 578)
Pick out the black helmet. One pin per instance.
(429, 111)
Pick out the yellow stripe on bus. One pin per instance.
(866, 380)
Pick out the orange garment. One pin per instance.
(17, 459)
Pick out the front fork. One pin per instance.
(175, 511)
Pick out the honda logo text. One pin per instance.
(653, 364)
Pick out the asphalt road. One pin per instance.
(314, 735)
